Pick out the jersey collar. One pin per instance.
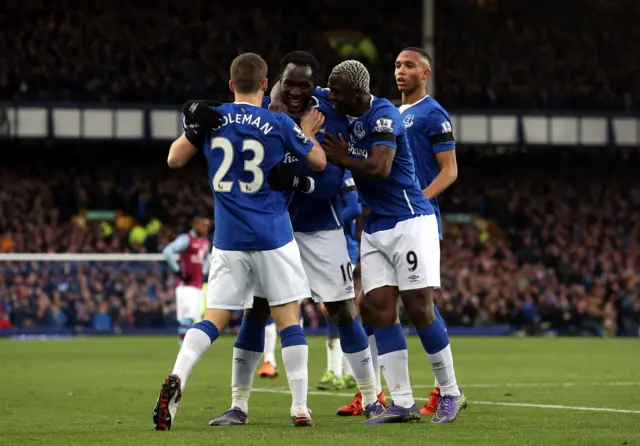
(402, 108)
(351, 119)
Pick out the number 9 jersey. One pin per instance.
(240, 154)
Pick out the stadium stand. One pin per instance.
(529, 243)
(523, 54)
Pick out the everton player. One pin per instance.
(253, 242)
(192, 267)
(315, 216)
(400, 245)
(430, 136)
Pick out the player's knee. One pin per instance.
(260, 311)
(419, 306)
(342, 313)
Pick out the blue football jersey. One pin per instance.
(320, 209)
(249, 216)
(429, 130)
(398, 197)
(351, 209)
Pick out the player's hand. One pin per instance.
(337, 148)
(278, 107)
(284, 177)
(184, 277)
(199, 114)
(311, 122)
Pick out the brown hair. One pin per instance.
(248, 71)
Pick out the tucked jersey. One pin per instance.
(398, 197)
(320, 209)
(429, 131)
(250, 216)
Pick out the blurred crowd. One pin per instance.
(536, 241)
(576, 54)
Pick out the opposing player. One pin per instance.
(192, 249)
(253, 242)
(430, 135)
(339, 374)
(400, 249)
(314, 207)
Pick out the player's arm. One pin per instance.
(351, 207)
(175, 247)
(377, 164)
(301, 141)
(440, 135)
(198, 117)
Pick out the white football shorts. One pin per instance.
(406, 256)
(325, 259)
(189, 303)
(235, 276)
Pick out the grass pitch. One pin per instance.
(101, 391)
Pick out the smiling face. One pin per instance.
(342, 96)
(412, 72)
(297, 87)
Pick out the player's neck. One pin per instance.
(364, 105)
(417, 95)
(252, 98)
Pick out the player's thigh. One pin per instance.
(326, 261)
(280, 276)
(231, 280)
(376, 268)
(417, 253)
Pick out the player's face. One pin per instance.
(201, 226)
(297, 87)
(411, 72)
(342, 96)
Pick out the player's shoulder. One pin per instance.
(384, 117)
(266, 102)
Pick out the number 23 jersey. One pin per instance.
(250, 216)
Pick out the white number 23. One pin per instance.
(252, 165)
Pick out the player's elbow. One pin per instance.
(451, 173)
(381, 171)
(174, 162)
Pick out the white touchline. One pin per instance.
(486, 403)
(567, 384)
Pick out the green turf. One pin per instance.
(101, 391)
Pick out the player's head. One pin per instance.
(413, 69)
(248, 74)
(349, 85)
(201, 225)
(298, 75)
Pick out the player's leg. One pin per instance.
(331, 379)
(247, 351)
(326, 261)
(283, 296)
(431, 405)
(379, 282)
(229, 289)
(418, 265)
(269, 367)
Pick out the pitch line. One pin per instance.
(483, 403)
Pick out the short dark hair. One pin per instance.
(420, 51)
(248, 71)
(301, 58)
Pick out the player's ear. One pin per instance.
(265, 85)
(427, 74)
(231, 85)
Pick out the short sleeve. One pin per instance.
(439, 131)
(294, 139)
(385, 122)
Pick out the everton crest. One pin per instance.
(358, 129)
(408, 121)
